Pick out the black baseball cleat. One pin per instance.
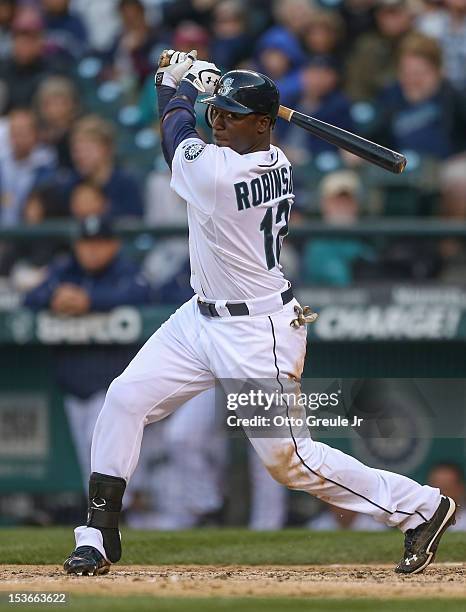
(421, 543)
(86, 561)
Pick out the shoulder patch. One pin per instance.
(193, 150)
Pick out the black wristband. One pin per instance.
(164, 95)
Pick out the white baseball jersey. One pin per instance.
(238, 211)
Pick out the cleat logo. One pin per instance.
(409, 559)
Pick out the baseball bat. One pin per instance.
(370, 151)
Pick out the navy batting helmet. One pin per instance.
(245, 92)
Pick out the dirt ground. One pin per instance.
(439, 580)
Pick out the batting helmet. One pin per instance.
(244, 92)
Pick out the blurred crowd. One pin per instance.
(79, 133)
(79, 141)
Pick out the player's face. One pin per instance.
(242, 133)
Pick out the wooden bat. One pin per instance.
(370, 151)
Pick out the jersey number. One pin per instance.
(283, 212)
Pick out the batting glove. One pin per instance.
(203, 75)
(173, 65)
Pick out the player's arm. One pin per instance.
(171, 68)
(178, 121)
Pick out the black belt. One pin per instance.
(237, 310)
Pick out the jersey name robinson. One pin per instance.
(238, 211)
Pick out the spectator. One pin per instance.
(97, 277)
(176, 11)
(88, 200)
(449, 28)
(341, 197)
(135, 51)
(92, 151)
(66, 33)
(44, 203)
(294, 16)
(429, 17)
(231, 41)
(57, 106)
(421, 111)
(189, 35)
(449, 478)
(23, 72)
(325, 34)
(372, 64)
(279, 55)
(24, 166)
(358, 16)
(335, 261)
(7, 13)
(101, 21)
(320, 96)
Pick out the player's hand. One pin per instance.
(203, 75)
(172, 66)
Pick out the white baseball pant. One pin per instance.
(185, 356)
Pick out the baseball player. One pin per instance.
(242, 323)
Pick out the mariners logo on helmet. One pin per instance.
(226, 87)
(244, 92)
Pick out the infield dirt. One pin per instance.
(375, 581)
